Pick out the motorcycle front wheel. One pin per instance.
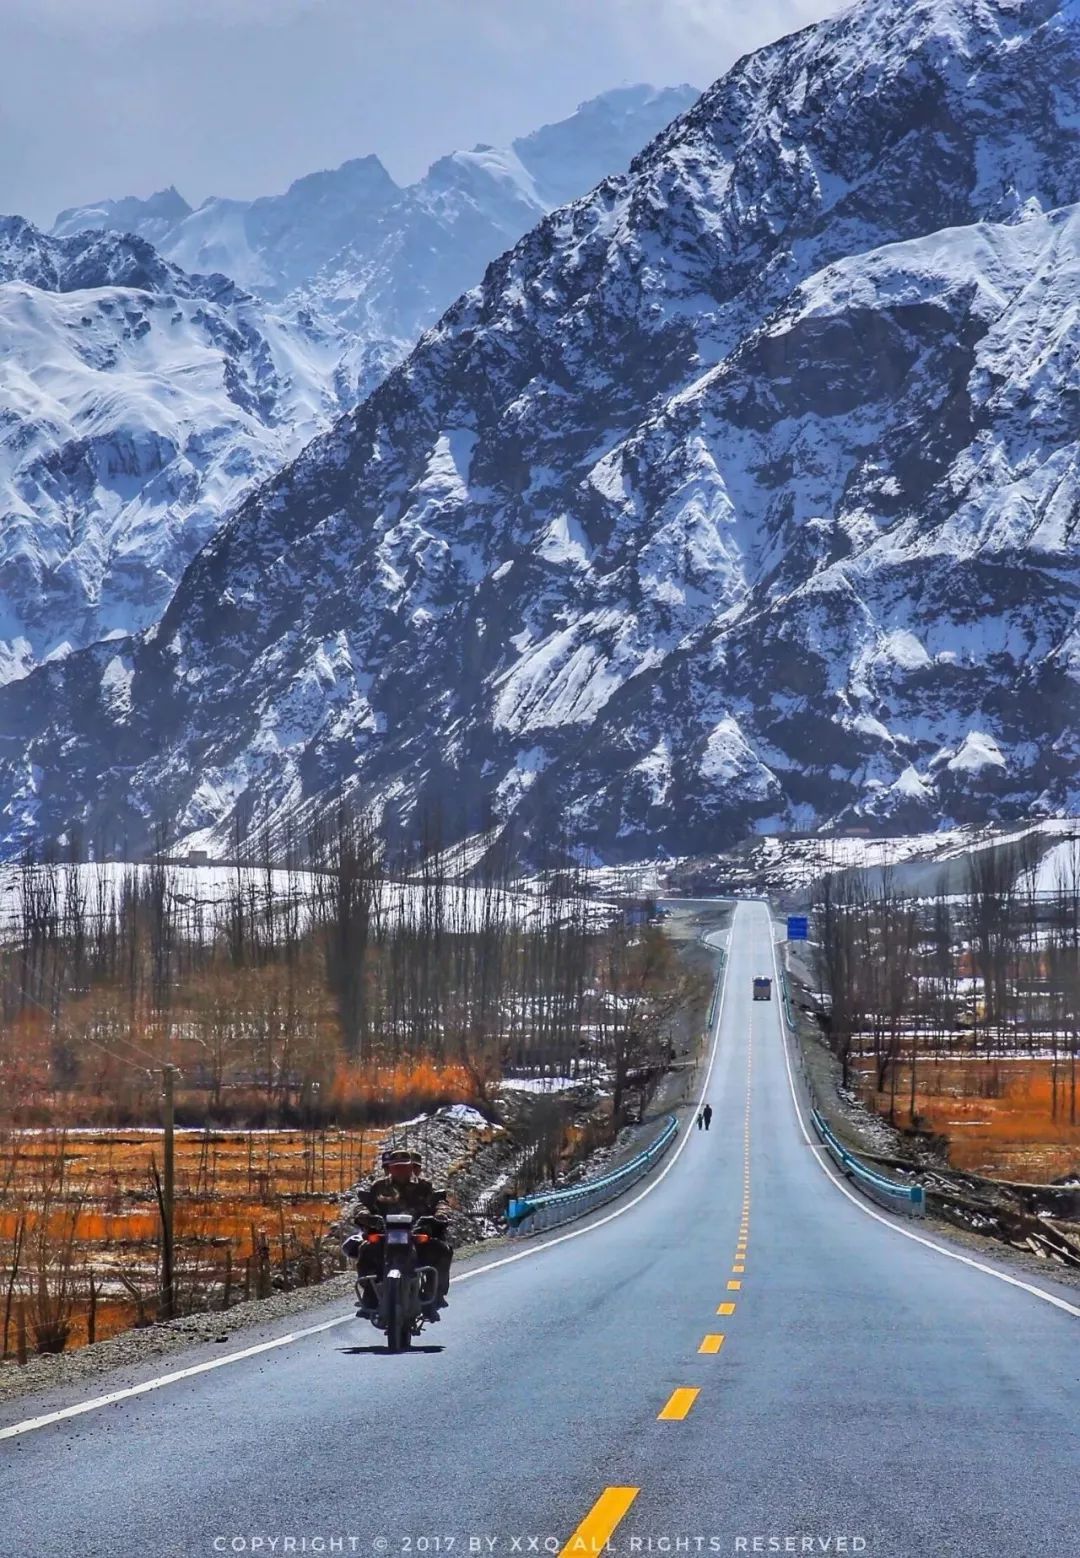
(398, 1326)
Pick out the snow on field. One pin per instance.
(465, 1114)
(207, 890)
(1060, 864)
(461, 1114)
(538, 1084)
(791, 864)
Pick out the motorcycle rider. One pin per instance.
(403, 1189)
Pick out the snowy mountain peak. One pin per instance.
(571, 156)
(279, 242)
(360, 178)
(143, 392)
(151, 219)
(137, 402)
(89, 259)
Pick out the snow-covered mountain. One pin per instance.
(140, 401)
(395, 279)
(153, 219)
(137, 404)
(388, 261)
(742, 493)
(279, 242)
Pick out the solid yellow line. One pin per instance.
(733, 1285)
(726, 1309)
(678, 1404)
(712, 1343)
(593, 1532)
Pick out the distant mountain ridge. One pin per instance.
(448, 225)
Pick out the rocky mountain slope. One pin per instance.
(742, 493)
(137, 404)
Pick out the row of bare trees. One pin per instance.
(990, 970)
(313, 986)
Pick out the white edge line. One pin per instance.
(886, 1222)
(31, 1423)
(162, 1379)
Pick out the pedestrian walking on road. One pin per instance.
(701, 1119)
(706, 1115)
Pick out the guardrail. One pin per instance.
(785, 989)
(721, 953)
(531, 1214)
(890, 1193)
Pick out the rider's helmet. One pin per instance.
(398, 1164)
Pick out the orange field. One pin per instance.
(251, 1210)
(997, 1114)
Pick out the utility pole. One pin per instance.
(168, 1196)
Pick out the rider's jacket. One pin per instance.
(417, 1196)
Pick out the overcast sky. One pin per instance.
(104, 98)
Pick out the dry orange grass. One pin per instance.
(247, 1202)
(419, 1084)
(235, 1193)
(997, 1115)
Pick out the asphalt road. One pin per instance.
(869, 1394)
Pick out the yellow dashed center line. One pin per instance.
(678, 1404)
(712, 1343)
(734, 1286)
(725, 1309)
(594, 1531)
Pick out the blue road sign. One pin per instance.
(798, 927)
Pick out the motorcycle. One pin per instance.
(407, 1289)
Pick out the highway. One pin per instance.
(738, 1356)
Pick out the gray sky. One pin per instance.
(104, 98)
